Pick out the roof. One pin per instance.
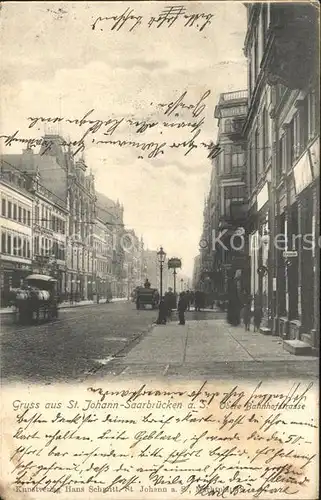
(40, 277)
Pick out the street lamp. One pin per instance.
(161, 259)
(182, 281)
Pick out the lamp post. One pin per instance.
(182, 282)
(161, 259)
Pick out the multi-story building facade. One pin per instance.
(282, 131)
(112, 215)
(258, 132)
(16, 229)
(101, 282)
(50, 217)
(226, 205)
(82, 210)
(78, 235)
(196, 272)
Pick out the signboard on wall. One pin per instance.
(263, 196)
(315, 158)
(302, 173)
(174, 263)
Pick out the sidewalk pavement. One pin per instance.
(67, 305)
(200, 345)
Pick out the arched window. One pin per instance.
(228, 126)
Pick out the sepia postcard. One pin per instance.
(159, 250)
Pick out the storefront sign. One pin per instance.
(315, 158)
(263, 196)
(302, 174)
(174, 263)
(290, 253)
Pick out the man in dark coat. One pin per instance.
(198, 300)
(188, 299)
(162, 313)
(169, 300)
(234, 303)
(182, 306)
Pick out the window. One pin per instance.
(227, 159)
(3, 207)
(9, 215)
(304, 125)
(313, 113)
(19, 214)
(265, 145)
(24, 216)
(237, 156)
(228, 126)
(3, 242)
(24, 248)
(15, 244)
(296, 136)
(9, 249)
(256, 156)
(29, 218)
(256, 56)
(264, 23)
(28, 249)
(19, 247)
(14, 211)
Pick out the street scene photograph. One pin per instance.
(159, 187)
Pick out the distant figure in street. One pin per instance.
(188, 300)
(162, 313)
(169, 300)
(234, 303)
(198, 300)
(182, 306)
(246, 313)
(257, 317)
(147, 283)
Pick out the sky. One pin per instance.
(54, 64)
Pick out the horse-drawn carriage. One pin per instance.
(146, 296)
(37, 299)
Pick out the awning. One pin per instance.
(40, 277)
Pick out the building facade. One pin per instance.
(196, 272)
(282, 132)
(226, 205)
(16, 250)
(49, 230)
(77, 234)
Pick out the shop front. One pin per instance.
(261, 270)
(12, 275)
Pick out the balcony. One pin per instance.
(237, 173)
(234, 96)
(291, 57)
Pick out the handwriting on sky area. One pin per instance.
(231, 443)
(171, 15)
(131, 132)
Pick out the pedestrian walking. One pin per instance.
(162, 313)
(257, 317)
(188, 300)
(170, 303)
(234, 303)
(246, 311)
(198, 300)
(182, 306)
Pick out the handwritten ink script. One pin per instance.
(203, 441)
(170, 15)
(132, 132)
